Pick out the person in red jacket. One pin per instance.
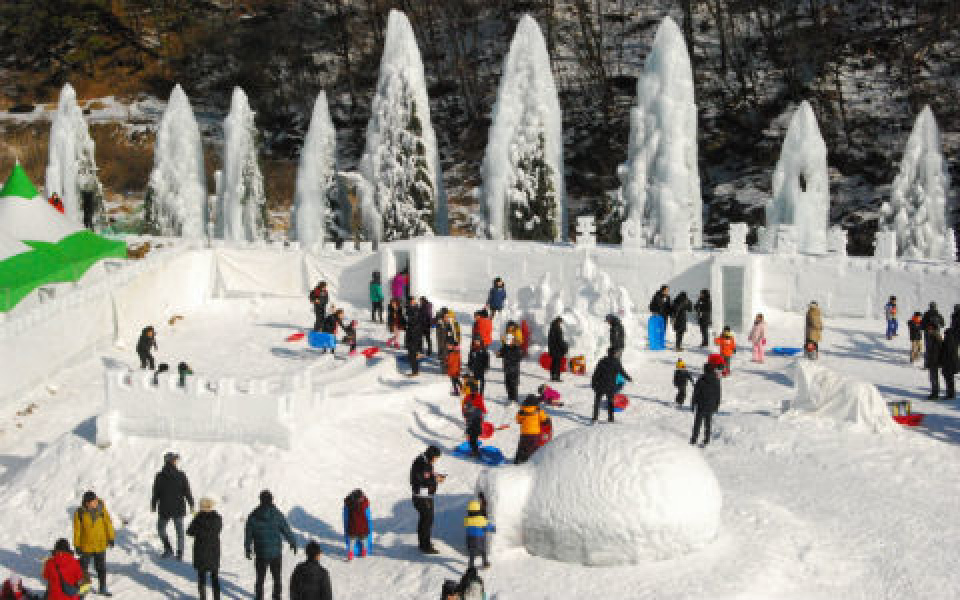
(62, 568)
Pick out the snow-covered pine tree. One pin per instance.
(917, 209)
(318, 215)
(400, 160)
(242, 206)
(177, 192)
(523, 164)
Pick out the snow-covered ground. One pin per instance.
(810, 509)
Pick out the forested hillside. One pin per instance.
(867, 67)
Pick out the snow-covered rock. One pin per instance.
(661, 180)
(72, 167)
(917, 209)
(613, 495)
(801, 187)
(824, 393)
(177, 190)
(242, 205)
(314, 219)
(523, 194)
(400, 160)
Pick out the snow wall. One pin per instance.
(585, 498)
(823, 393)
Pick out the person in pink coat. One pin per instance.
(758, 337)
(398, 287)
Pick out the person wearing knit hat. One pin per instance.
(92, 534)
(205, 530)
(264, 533)
(681, 377)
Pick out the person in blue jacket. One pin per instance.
(264, 533)
(477, 527)
(357, 525)
(496, 298)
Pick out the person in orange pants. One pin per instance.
(728, 346)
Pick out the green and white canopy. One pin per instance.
(38, 245)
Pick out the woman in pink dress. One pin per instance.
(758, 337)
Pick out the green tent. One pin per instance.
(22, 273)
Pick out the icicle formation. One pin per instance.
(315, 217)
(801, 190)
(242, 213)
(400, 160)
(661, 180)
(72, 168)
(523, 164)
(177, 191)
(917, 210)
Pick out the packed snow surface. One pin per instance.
(611, 496)
(661, 180)
(71, 165)
(316, 178)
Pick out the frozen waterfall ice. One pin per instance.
(242, 209)
(314, 215)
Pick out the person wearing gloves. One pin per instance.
(265, 531)
(92, 534)
(171, 494)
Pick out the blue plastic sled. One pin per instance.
(657, 333)
(323, 341)
(489, 455)
(782, 351)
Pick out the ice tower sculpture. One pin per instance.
(177, 189)
(917, 209)
(801, 190)
(315, 217)
(400, 160)
(242, 206)
(523, 195)
(71, 167)
(661, 180)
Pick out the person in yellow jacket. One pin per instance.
(531, 418)
(92, 534)
(477, 526)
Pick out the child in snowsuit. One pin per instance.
(453, 368)
(357, 528)
(350, 336)
(727, 347)
(376, 298)
(478, 361)
(915, 325)
(758, 337)
(531, 419)
(477, 527)
(681, 377)
(890, 311)
(471, 396)
(146, 343)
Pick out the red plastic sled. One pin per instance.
(487, 431)
(370, 352)
(296, 337)
(545, 362)
(620, 402)
(911, 420)
(546, 434)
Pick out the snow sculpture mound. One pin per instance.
(801, 188)
(824, 393)
(400, 160)
(661, 180)
(917, 210)
(523, 164)
(177, 190)
(242, 207)
(71, 167)
(582, 302)
(314, 216)
(601, 496)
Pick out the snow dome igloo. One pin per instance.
(601, 496)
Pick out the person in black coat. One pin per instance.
(423, 482)
(171, 493)
(426, 323)
(478, 361)
(932, 317)
(413, 339)
(604, 382)
(707, 393)
(310, 580)
(681, 306)
(618, 337)
(319, 298)
(557, 348)
(660, 303)
(932, 358)
(955, 317)
(205, 531)
(512, 354)
(146, 343)
(949, 359)
(704, 310)
(474, 429)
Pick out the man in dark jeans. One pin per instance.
(707, 393)
(423, 482)
(171, 494)
(263, 535)
(604, 382)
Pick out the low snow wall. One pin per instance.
(266, 411)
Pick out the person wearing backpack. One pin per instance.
(205, 531)
(357, 525)
(171, 494)
(92, 534)
(65, 576)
